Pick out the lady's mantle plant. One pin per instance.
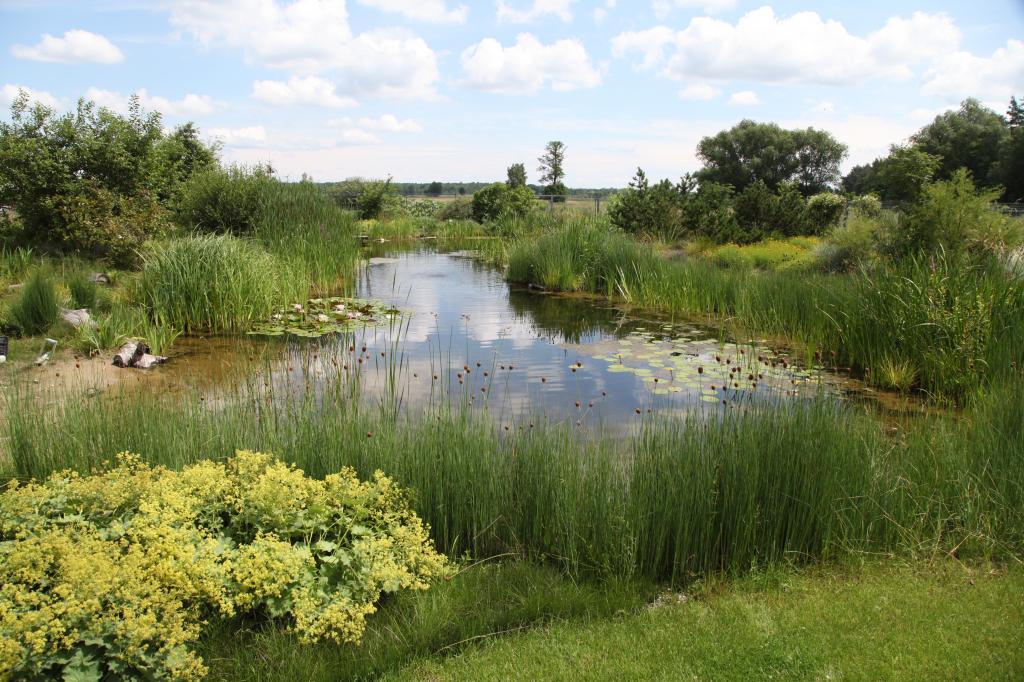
(114, 573)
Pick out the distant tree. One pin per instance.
(970, 137)
(180, 155)
(552, 169)
(751, 151)
(516, 175)
(904, 173)
(462, 191)
(434, 189)
(1015, 114)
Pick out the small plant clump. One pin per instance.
(112, 575)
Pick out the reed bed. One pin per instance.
(953, 324)
(715, 491)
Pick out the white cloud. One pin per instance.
(601, 11)
(801, 48)
(430, 11)
(823, 107)
(662, 8)
(358, 136)
(309, 36)
(699, 92)
(75, 46)
(539, 8)
(526, 66)
(235, 137)
(188, 106)
(389, 123)
(744, 98)
(960, 74)
(298, 90)
(9, 92)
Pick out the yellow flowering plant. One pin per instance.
(113, 573)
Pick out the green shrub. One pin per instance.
(955, 216)
(708, 213)
(421, 208)
(494, 201)
(377, 199)
(113, 575)
(215, 283)
(854, 242)
(457, 209)
(229, 200)
(824, 211)
(36, 309)
(643, 209)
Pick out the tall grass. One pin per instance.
(215, 283)
(36, 308)
(307, 230)
(681, 498)
(953, 324)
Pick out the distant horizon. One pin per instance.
(441, 88)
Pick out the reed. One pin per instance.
(682, 497)
(36, 308)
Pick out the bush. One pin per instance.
(497, 200)
(113, 575)
(458, 209)
(643, 209)
(423, 208)
(215, 283)
(36, 309)
(853, 243)
(83, 290)
(955, 216)
(824, 211)
(369, 199)
(225, 200)
(709, 214)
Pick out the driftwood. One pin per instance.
(535, 287)
(147, 361)
(100, 278)
(136, 354)
(130, 353)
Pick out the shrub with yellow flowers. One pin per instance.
(113, 573)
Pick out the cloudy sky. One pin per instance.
(453, 90)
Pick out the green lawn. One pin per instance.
(882, 622)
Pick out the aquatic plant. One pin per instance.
(35, 309)
(215, 283)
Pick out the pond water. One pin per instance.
(465, 336)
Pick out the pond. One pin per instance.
(464, 336)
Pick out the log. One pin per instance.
(130, 353)
(147, 361)
(76, 318)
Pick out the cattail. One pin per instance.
(369, 434)
(700, 370)
(577, 404)
(604, 393)
(543, 380)
(510, 368)
(638, 410)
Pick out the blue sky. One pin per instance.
(443, 89)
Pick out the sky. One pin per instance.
(425, 90)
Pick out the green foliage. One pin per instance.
(180, 155)
(516, 176)
(215, 283)
(770, 254)
(422, 208)
(14, 263)
(105, 332)
(89, 181)
(552, 169)
(854, 242)
(36, 308)
(369, 199)
(751, 151)
(970, 137)
(434, 189)
(229, 200)
(824, 211)
(955, 216)
(500, 199)
(642, 209)
(113, 574)
(158, 335)
(83, 290)
(458, 209)
(708, 213)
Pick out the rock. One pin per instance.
(130, 353)
(147, 361)
(100, 278)
(535, 287)
(76, 318)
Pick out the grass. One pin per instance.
(879, 622)
(723, 491)
(480, 601)
(771, 254)
(955, 326)
(215, 283)
(36, 308)
(107, 331)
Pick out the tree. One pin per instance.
(499, 199)
(552, 169)
(751, 151)
(1015, 114)
(642, 208)
(516, 175)
(970, 137)
(434, 189)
